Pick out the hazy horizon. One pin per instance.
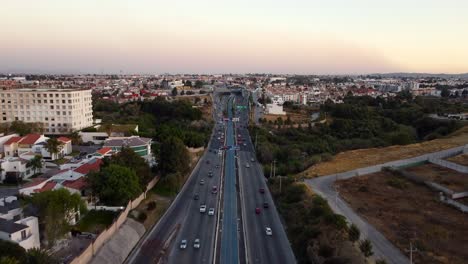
(194, 37)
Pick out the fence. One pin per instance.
(105, 235)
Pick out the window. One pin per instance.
(23, 234)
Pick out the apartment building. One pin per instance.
(60, 111)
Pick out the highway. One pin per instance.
(183, 219)
(260, 247)
(229, 235)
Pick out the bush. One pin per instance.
(353, 233)
(151, 206)
(363, 189)
(398, 183)
(326, 251)
(142, 217)
(366, 248)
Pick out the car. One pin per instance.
(217, 166)
(196, 243)
(268, 231)
(202, 181)
(247, 165)
(245, 144)
(261, 190)
(183, 244)
(210, 174)
(214, 190)
(265, 205)
(257, 210)
(202, 208)
(196, 196)
(211, 211)
(207, 162)
(252, 160)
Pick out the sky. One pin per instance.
(237, 36)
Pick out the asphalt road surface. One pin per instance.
(261, 248)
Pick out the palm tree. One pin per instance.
(36, 163)
(53, 147)
(76, 138)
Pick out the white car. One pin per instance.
(247, 165)
(183, 244)
(202, 181)
(202, 208)
(196, 243)
(268, 231)
(211, 211)
(252, 160)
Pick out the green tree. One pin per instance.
(35, 163)
(174, 92)
(354, 233)
(76, 138)
(53, 146)
(198, 84)
(188, 83)
(57, 208)
(9, 260)
(40, 256)
(12, 250)
(115, 184)
(445, 92)
(21, 128)
(128, 158)
(366, 248)
(174, 157)
(182, 93)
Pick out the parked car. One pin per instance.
(183, 244)
(196, 243)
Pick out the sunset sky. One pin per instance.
(205, 36)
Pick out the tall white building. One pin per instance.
(60, 111)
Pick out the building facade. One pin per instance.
(60, 111)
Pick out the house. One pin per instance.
(15, 228)
(4, 139)
(140, 145)
(16, 146)
(17, 168)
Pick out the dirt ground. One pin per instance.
(451, 179)
(162, 203)
(461, 159)
(410, 214)
(350, 160)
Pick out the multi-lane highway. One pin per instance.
(236, 232)
(258, 206)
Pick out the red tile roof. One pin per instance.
(104, 151)
(78, 184)
(35, 181)
(30, 139)
(64, 139)
(12, 140)
(47, 187)
(93, 165)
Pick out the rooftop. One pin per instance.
(10, 227)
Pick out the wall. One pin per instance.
(104, 236)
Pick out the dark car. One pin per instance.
(207, 162)
(265, 205)
(262, 190)
(195, 197)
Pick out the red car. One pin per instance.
(257, 210)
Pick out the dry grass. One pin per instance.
(461, 159)
(354, 159)
(412, 213)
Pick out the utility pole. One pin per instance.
(280, 183)
(411, 250)
(256, 133)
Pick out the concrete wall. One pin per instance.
(449, 165)
(86, 256)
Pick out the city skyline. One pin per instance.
(304, 37)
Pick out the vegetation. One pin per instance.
(95, 221)
(366, 248)
(21, 128)
(12, 253)
(115, 184)
(354, 233)
(310, 221)
(56, 209)
(53, 146)
(360, 122)
(35, 163)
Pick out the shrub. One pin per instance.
(326, 251)
(353, 233)
(142, 217)
(366, 248)
(151, 206)
(398, 183)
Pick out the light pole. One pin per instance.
(411, 250)
(274, 169)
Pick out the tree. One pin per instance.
(198, 84)
(174, 92)
(9, 260)
(75, 138)
(188, 83)
(366, 248)
(36, 163)
(445, 92)
(182, 93)
(174, 156)
(10, 250)
(354, 233)
(115, 184)
(53, 146)
(57, 208)
(128, 158)
(40, 256)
